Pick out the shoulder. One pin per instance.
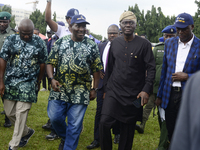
(171, 40)
(89, 41)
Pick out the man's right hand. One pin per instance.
(55, 85)
(158, 101)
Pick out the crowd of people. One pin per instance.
(126, 73)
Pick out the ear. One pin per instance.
(192, 27)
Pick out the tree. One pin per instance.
(54, 16)
(152, 23)
(197, 20)
(39, 20)
(8, 9)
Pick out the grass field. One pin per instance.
(38, 117)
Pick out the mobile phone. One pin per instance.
(137, 102)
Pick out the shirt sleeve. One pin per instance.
(96, 62)
(5, 51)
(53, 56)
(43, 52)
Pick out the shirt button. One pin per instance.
(125, 54)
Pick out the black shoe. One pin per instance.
(9, 148)
(24, 140)
(52, 136)
(140, 130)
(61, 145)
(47, 125)
(7, 123)
(117, 138)
(93, 145)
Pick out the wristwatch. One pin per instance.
(50, 79)
(48, 0)
(96, 89)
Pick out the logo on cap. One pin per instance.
(4, 17)
(172, 30)
(81, 18)
(180, 19)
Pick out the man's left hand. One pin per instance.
(179, 76)
(93, 94)
(144, 97)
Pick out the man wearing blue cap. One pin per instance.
(180, 61)
(5, 30)
(59, 30)
(113, 32)
(75, 58)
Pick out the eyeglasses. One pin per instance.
(127, 22)
(112, 33)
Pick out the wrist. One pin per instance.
(50, 79)
(95, 89)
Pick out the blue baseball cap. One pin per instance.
(79, 19)
(169, 29)
(183, 20)
(60, 23)
(72, 12)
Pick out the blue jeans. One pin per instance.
(58, 111)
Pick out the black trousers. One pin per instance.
(126, 133)
(172, 110)
(116, 127)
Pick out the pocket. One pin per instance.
(133, 61)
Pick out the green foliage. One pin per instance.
(38, 117)
(54, 16)
(196, 18)
(97, 36)
(151, 23)
(38, 19)
(8, 9)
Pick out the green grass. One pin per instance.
(38, 117)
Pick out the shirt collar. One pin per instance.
(189, 42)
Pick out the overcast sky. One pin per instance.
(102, 13)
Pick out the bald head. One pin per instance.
(26, 24)
(26, 27)
(113, 32)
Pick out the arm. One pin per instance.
(54, 83)
(53, 25)
(96, 77)
(2, 71)
(150, 68)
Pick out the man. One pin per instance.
(5, 30)
(187, 134)
(113, 32)
(126, 83)
(59, 30)
(180, 61)
(75, 58)
(22, 61)
(158, 51)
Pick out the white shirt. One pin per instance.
(105, 55)
(62, 31)
(182, 53)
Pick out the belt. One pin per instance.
(176, 89)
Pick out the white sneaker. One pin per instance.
(43, 89)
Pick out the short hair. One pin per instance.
(37, 29)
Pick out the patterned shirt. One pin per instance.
(74, 63)
(23, 67)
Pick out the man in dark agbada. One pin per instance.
(130, 56)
